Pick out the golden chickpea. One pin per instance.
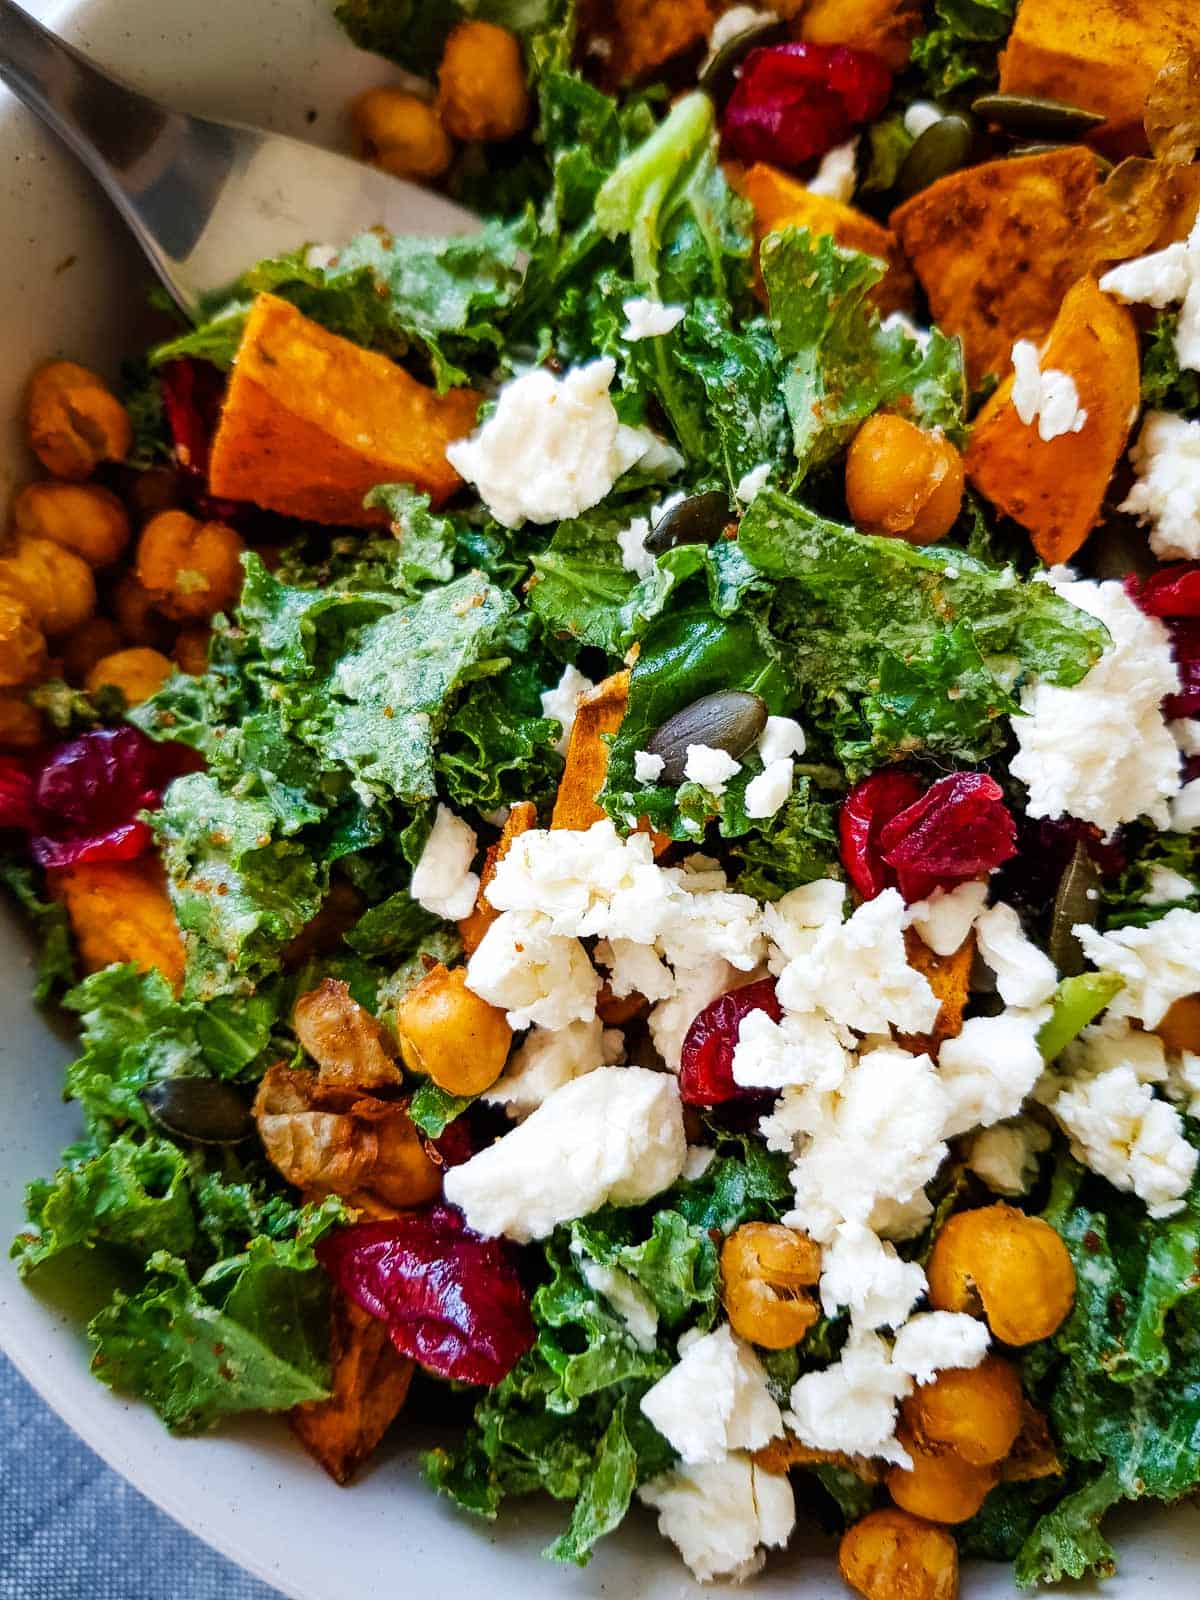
(22, 643)
(1016, 1267)
(974, 1411)
(55, 584)
(400, 133)
(767, 1271)
(79, 516)
(890, 1555)
(191, 650)
(75, 421)
(193, 569)
(21, 726)
(137, 615)
(137, 673)
(902, 481)
(452, 1036)
(81, 649)
(482, 94)
(940, 1485)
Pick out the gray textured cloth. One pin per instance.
(71, 1529)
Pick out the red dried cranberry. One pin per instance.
(1185, 643)
(706, 1061)
(958, 830)
(1172, 591)
(192, 393)
(451, 1300)
(455, 1144)
(794, 102)
(1044, 847)
(18, 785)
(867, 809)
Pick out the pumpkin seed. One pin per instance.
(1031, 117)
(730, 720)
(944, 147)
(719, 74)
(202, 1110)
(1077, 900)
(697, 520)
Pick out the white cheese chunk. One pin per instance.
(532, 974)
(1166, 886)
(715, 1400)
(649, 319)
(751, 484)
(1166, 495)
(1185, 808)
(1120, 1130)
(442, 880)
(781, 736)
(947, 917)
(837, 174)
(920, 117)
(989, 1067)
(851, 1405)
(1159, 963)
(721, 1515)
(647, 767)
(804, 1050)
(697, 985)
(631, 542)
(769, 790)
(935, 1340)
(1025, 975)
(1006, 1155)
(862, 1274)
(549, 1057)
(1048, 397)
(1166, 277)
(710, 768)
(562, 702)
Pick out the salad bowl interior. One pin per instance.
(71, 284)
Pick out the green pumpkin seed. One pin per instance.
(1077, 900)
(201, 1110)
(944, 147)
(730, 720)
(1032, 117)
(719, 75)
(697, 520)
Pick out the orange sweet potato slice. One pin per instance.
(601, 711)
(997, 246)
(471, 930)
(886, 28)
(781, 202)
(312, 422)
(1055, 487)
(369, 1387)
(950, 979)
(120, 911)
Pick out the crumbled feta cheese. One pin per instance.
(1167, 886)
(442, 880)
(631, 542)
(562, 702)
(649, 319)
(771, 788)
(1005, 1155)
(533, 975)
(781, 736)
(1120, 1130)
(866, 1276)
(715, 1400)
(899, 1220)
(614, 1136)
(1159, 963)
(711, 769)
(851, 1405)
(929, 1343)
(699, 1158)
(1025, 975)
(920, 117)
(899, 319)
(320, 256)
(947, 917)
(634, 969)
(793, 922)
(1114, 1042)
(720, 1516)
(547, 1058)
(859, 973)
(989, 1067)
(1185, 808)
(647, 767)
(731, 24)
(1166, 277)
(752, 483)
(1183, 1082)
(1101, 751)
(711, 922)
(554, 447)
(670, 1020)
(1166, 458)
(586, 882)
(627, 1298)
(1048, 398)
(804, 1050)
(837, 175)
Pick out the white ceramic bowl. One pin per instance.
(71, 285)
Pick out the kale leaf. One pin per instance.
(959, 52)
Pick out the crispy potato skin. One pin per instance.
(312, 422)
(348, 1044)
(370, 1382)
(997, 246)
(601, 711)
(950, 979)
(1055, 487)
(120, 911)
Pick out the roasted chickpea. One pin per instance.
(21, 725)
(137, 673)
(903, 481)
(767, 1273)
(890, 1555)
(75, 421)
(940, 1485)
(80, 650)
(400, 133)
(138, 616)
(191, 650)
(79, 516)
(55, 584)
(192, 569)
(1015, 1267)
(449, 1033)
(974, 1411)
(482, 94)
(22, 643)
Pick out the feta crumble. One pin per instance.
(947, 917)
(711, 769)
(720, 1516)
(920, 117)
(562, 703)
(549, 1057)
(714, 1400)
(862, 1274)
(1159, 963)
(781, 736)
(1120, 1130)
(934, 1340)
(769, 790)
(1048, 397)
(731, 24)
(442, 881)
(1170, 276)
(533, 975)
(752, 483)
(805, 1050)
(1005, 1155)
(649, 319)
(612, 1137)
(1025, 975)
(1166, 458)
(647, 767)
(696, 986)
(631, 542)
(989, 1067)
(851, 1405)
(1185, 808)
(1167, 886)
(837, 175)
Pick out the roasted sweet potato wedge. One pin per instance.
(520, 819)
(600, 712)
(120, 911)
(950, 979)
(886, 28)
(369, 1387)
(312, 422)
(997, 246)
(1055, 487)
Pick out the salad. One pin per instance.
(614, 797)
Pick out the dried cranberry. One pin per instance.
(451, 1300)
(958, 830)
(867, 809)
(192, 394)
(794, 102)
(1185, 643)
(706, 1061)
(1044, 847)
(455, 1144)
(18, 785)
(1172, 591)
